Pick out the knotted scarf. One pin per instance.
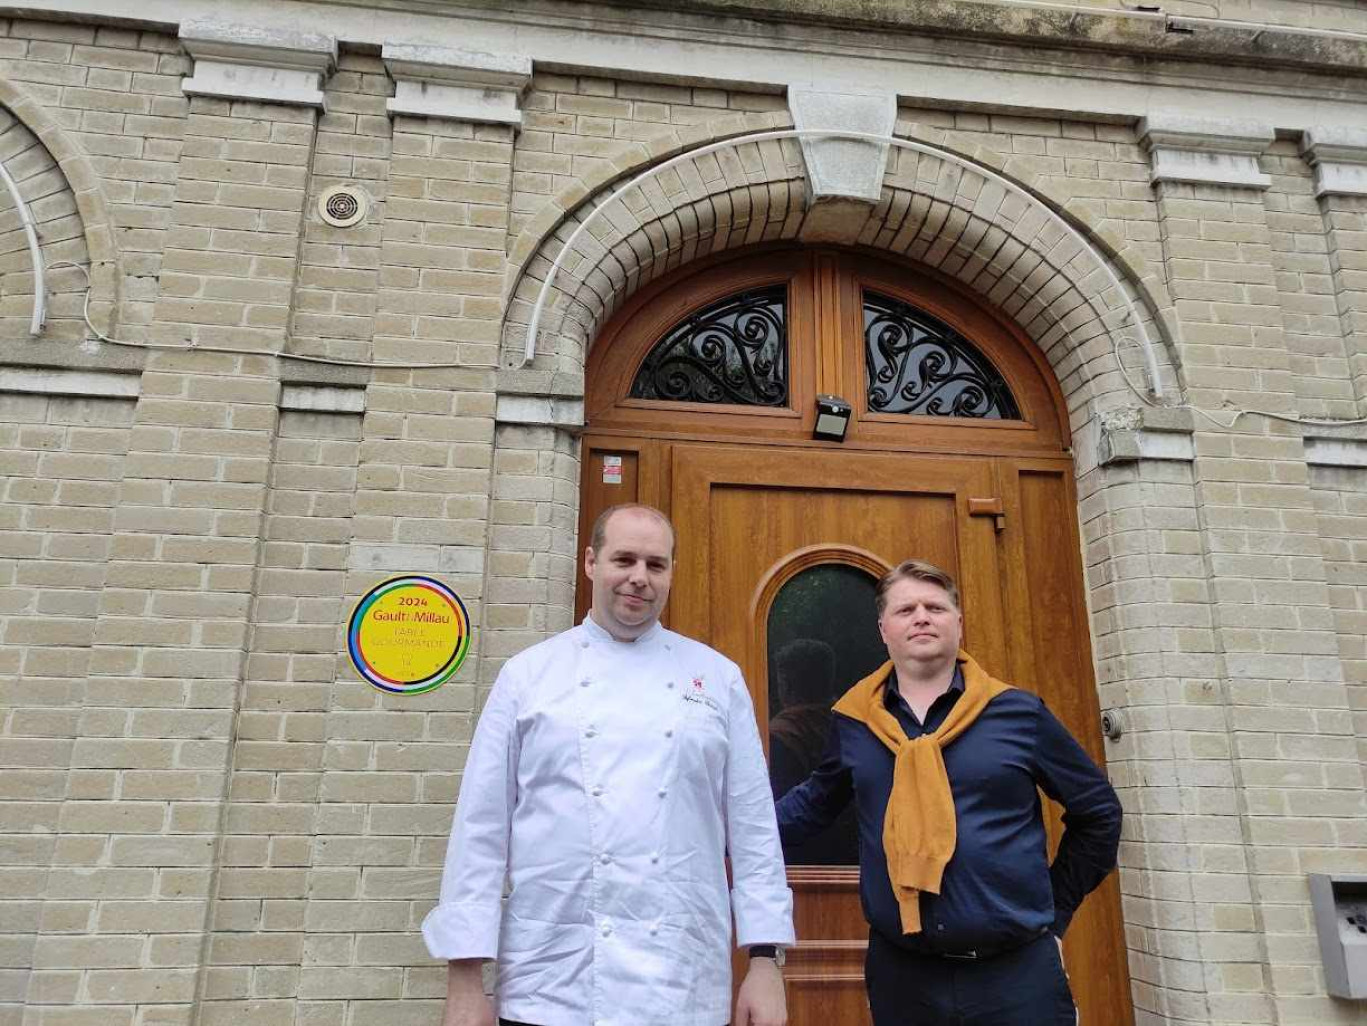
(919, 827)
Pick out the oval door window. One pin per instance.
(823, 637)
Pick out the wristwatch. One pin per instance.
(768, 951)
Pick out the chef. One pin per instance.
(614, 768)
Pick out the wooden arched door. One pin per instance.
(702, 400)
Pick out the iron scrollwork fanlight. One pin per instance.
(733, 351)
(917, 364)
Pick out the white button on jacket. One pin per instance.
(612, 840)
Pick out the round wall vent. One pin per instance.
(342, 206)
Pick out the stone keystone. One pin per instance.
(844, 176)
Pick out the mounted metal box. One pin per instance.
(1340, 904)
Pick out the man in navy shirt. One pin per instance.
(943, 763)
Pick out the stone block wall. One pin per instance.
(206, 818)
(1340, 510)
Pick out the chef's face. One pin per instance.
(631, 573)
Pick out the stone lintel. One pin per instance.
(457, 85)
(1339, 158)
(543, 411)
(322, 399)
(539, 398)
(845, 174)
(1131, 433)
(1336, 452)
(532, 381)
(1205, 151)
(1336, 445)
(246, 62)
(1134, 433)
(70, 381)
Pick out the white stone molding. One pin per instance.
(458, 85)
(533, 411)
(844, 176)
(1336, 452)
(322, 399)
(1342, 445)
(1205, 152)
(915, 59)
(537, 399)
(247, 62)
(94, 383)
(1131, 433)
(1339, 157)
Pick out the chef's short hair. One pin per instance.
(916, 570)
(598, 535)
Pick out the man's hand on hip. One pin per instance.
(466, 1002)
(761, 1001)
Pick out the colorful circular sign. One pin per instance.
(408, 635)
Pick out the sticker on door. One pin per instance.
(612, 470)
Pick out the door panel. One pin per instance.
(751, 518)
(1051, 656)
(613, 471)
(740, 518)
(742, 524)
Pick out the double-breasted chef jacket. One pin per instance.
(607, 782)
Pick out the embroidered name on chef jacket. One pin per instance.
(696, 692)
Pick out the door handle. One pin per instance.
(989, 508)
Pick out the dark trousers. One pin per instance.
(1022, 987)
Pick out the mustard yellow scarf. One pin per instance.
(919, 828)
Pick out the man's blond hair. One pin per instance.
(915, 570)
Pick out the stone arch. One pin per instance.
(631, 158)
(999, 244)
(62, 189)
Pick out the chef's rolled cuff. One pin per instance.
(455, 930)
(764, 920)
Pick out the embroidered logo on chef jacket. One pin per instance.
(697, 693)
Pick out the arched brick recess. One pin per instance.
(674, 218)
(631, 159)
(997, 243)
(63, 192)
(1004, 248)
(650, 233)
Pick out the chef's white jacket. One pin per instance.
(606, 782)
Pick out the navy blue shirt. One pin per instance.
(998, 889)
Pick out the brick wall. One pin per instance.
(1341, 512)
(205, 817)
(1306, 294)
(63, 459)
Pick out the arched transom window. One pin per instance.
(916, 363)
(734, 350)
(747, 346)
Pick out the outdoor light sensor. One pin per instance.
(832, 418)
